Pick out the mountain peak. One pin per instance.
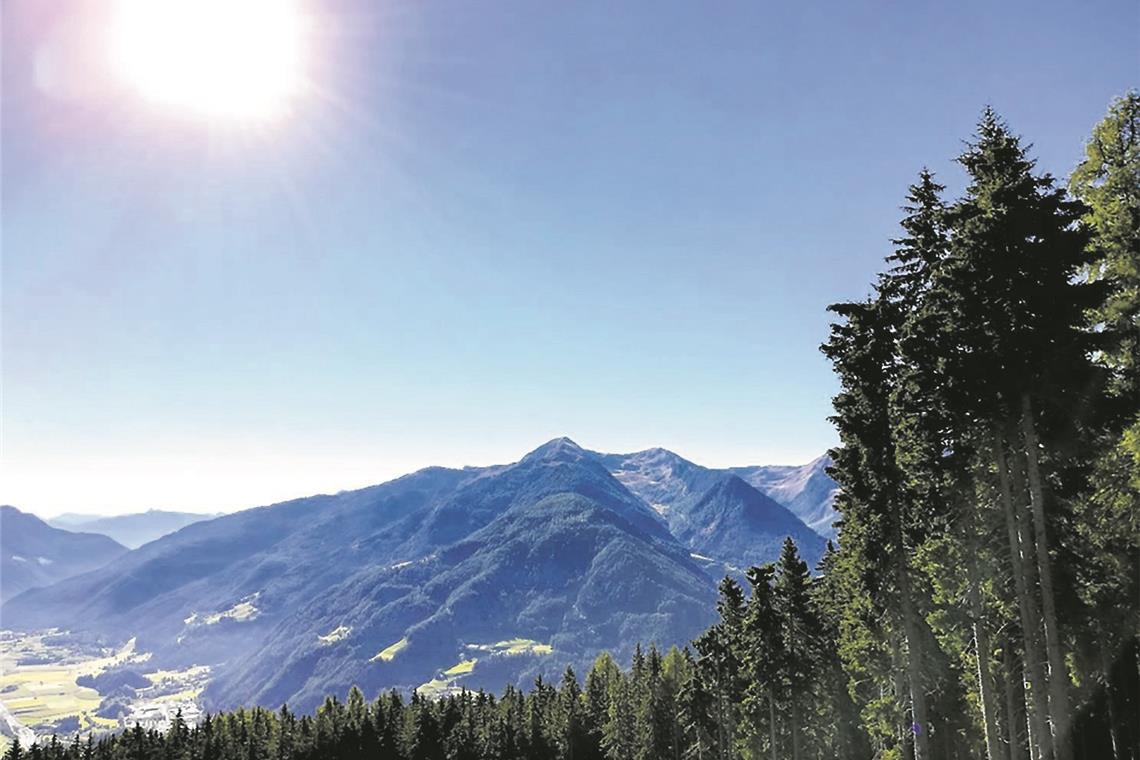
(820, 463)
(657, 454)
(557, 450)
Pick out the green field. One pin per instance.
(389, 653)
(512, 647)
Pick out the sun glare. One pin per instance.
(222, 59)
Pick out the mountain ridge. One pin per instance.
(134, 529)
(34, 554)
(389, 584)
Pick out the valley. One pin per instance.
(54, 683)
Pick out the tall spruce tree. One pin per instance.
(763, 660)
(1019, 314)
(799, 631)
(719, 662)
(875, 505)
(1108, 569)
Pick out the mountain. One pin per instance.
(807, 490)
(131, 530)
(718, 515)
(443, 577)
(668, 481)
(735, 523)
(33, 553)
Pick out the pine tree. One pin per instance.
(1108, 182)
(799, 630)
(1108, 566)
(424, 740)
(599, 685)
(1015, 251)
(935, 450)
(654, 711)
(877, 509)
(619, 736)
(677, 670)
(763, 660)
(573, 736)
(844, 735)
(695, 713)
(719, 649)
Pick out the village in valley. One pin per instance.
(56, 684)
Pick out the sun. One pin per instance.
(238, 60)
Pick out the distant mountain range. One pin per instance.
(441, 578)
(131, 530)
(34, 554)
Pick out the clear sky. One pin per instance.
(478, 226)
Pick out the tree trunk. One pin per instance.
(985, 679)
(902, 695)
(678, 739)
(772, 721)
(921, 724)
(1109, 699)
(1058, 672)
(721, 721)
(795, 729)
(1014, 718)
(1030, 726)
(1027, 607)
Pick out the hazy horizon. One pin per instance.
(111, 509)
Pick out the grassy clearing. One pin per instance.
(242, 612)
(389, 653)
(512, 647)
(461, 668)
(436, 688)
(44, 697)
(446, 681)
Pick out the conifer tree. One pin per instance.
(619, 736)
(573, 737)
(599, 686)
(763, 659)
(799, 630)
(719, 649)
(876, 507)
(1108, 564)
(1019, 315)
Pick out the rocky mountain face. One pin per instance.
(720, 517)
(806, 490)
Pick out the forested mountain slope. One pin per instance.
(436, 568)
(34, 554)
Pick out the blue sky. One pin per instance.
(486, 225)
